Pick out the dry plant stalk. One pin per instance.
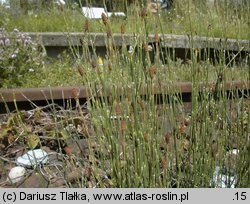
(156, 47)
(109, 32)
(156, 38)
(123, 28)
(86, 26)
(68, 150)
(151, 72)
(110, 66)
(104, 19)
(185, 144)
(118, 109)
(80, 70)
(110, 45)
(146, 137)
(123, 126)
(93, 62)
(81, 42)
(163, 163)
(129, 94)
(145, 47)
(167, 138)
(143, 13)
(183, 129)
(142, 105)
(75, 94)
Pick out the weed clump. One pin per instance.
(19, 57)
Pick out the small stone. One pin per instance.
(33, 158)
(16, 174)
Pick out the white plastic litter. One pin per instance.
(131, 49)
(96, 12)
(116, 14)
(33, 158)
(233, 152)
(62, 2)
(225, 177)
(16, 174)
(93, 12)
(222, 180)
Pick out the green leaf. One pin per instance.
(15, 119)
(37, 114)
(11, 120)
(4, 129)
(33, 141)
(64, 134)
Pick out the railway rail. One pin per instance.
(180, 45)
(28, 98)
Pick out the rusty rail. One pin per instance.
(41, 96)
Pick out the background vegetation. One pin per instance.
(185, 17)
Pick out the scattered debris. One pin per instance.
(131, 49)
(226, 176)
(233, 152)
(96, 12)
(118, 14)
(58, 142)
(223, 179)
(33, 158)
(60, 2)
(75, 156)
